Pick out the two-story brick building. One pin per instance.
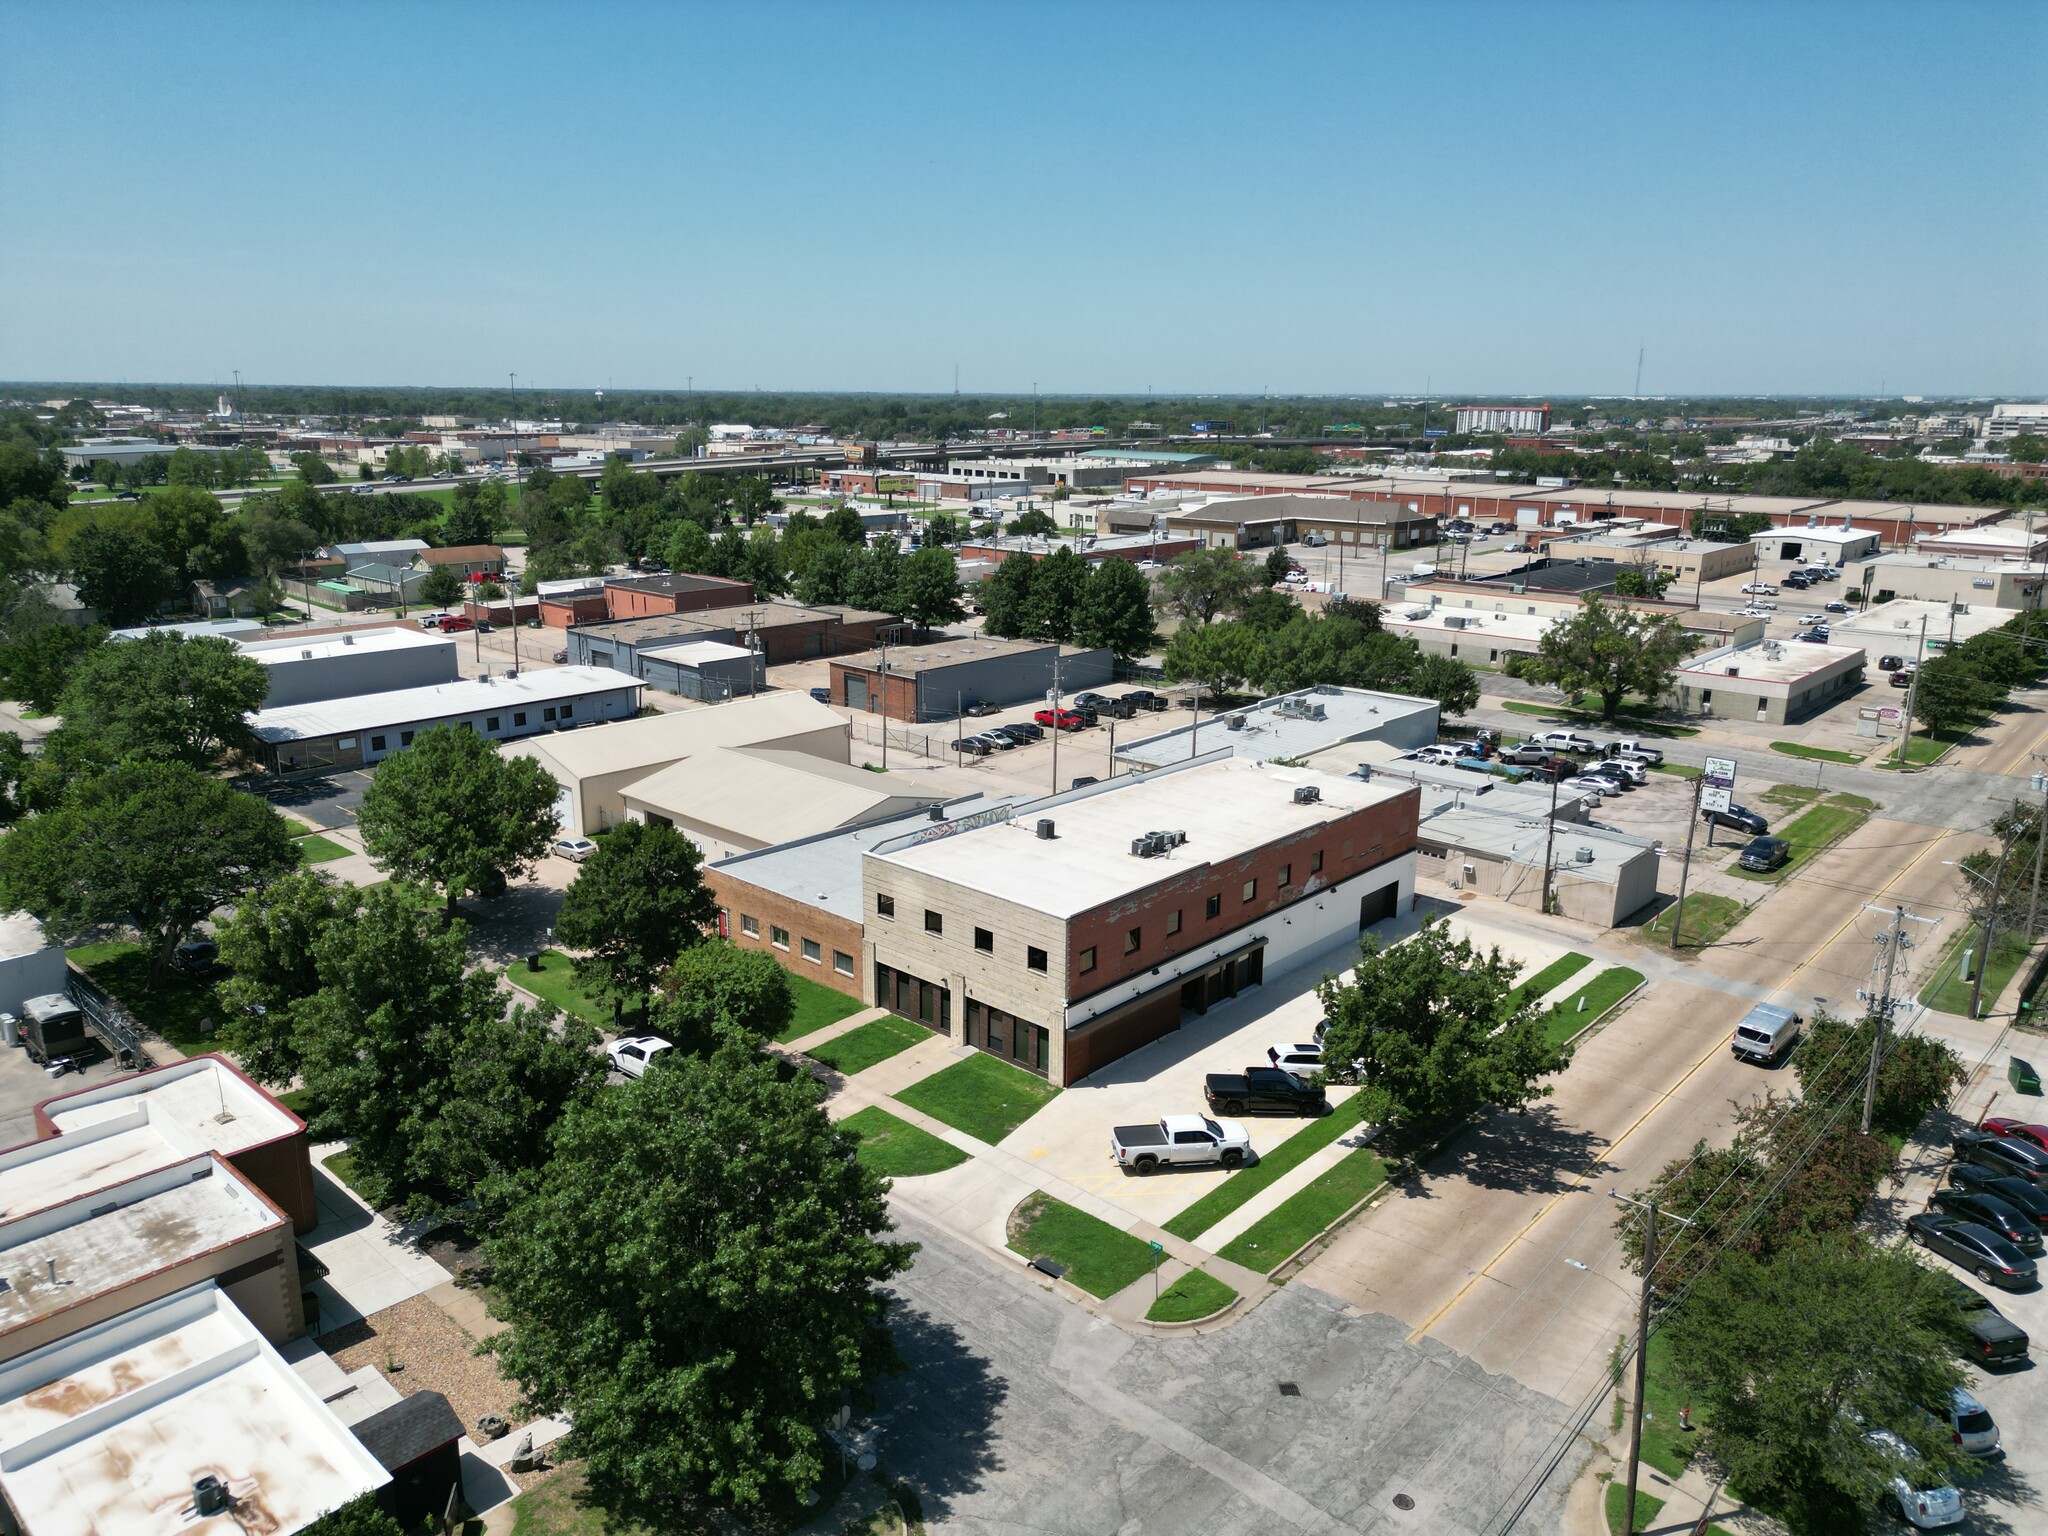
(1067, 932)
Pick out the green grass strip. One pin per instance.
(1553, 975)
(896, 1149)
(1099, 1259)
(982, 1096)
(1815, 754)
(859, 1049)
(1950, 990)
(315, 849)
(1707, 918)
(1632, 718)
(1598, 996)
(816, 1006)
(1812, 833)
(1285, 1228)
(555, 982)
(1247, 1182)
(1195, 1294)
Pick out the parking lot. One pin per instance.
(329, 801)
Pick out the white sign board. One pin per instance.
(1720, 773)
(1715, 799)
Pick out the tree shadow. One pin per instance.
(1530, 1153)
(937, 1416)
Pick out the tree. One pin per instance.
(156, 845)
(2027, 448)
(313, 470)
(825, 579)
(688, 548)
(441, 587)
(692, 1278)
(123, 578)
(1033, 523)
(717, 994)
(1612, 651)
(1454, 685)
(1205, 582)
(1793, 1358)
(928, 589)
(1949, 694)
(39, 659)
(637, 903)
(451, 813)
(872, 580)
(271, 946)
(165, 697)
(1642, 581)
(1436, 1030)
(1006, 597)
(358, 1517)
(1277, 565)
(1268, 609)
(473, 512)
(1116, 610)
(1057, 587)
(1218, 656)
(1915, 1073)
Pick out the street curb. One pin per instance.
(1195, 1324)
(1608, 1012)
(1298, 1260)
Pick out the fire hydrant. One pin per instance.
(1685, 1418)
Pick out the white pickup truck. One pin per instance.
(1177, 1140)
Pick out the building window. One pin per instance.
(1214, 906)
(568, 711)
(779, 937)
(812, 953)
(376, 743)
(934, 922)
(750, 926)
(984, 941)
(1286, 876)
(519, 719)
(1087, 960)
(1034, 957)
(1251, 890)
(1132, 939)
(842, 962)
(1315, 863)
(405, 738)
(1173, 922)
(491, 723)
(885, 906)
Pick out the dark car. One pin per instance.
(2007, 1154)
(1263, 1088)
(1901, 679)
(197, 958)
(1764, 854)
(1890, 663)
(1834, 607)
(1103, 704)
(822, 695)
(1994, 1337)
(2018, 1130)
(983, 707)
(1145, 698)
(1739, 818)
(1988, 1210)
(2017, 1193)
(972, 746)
(562, 656)
(1975, 1247)
(1023, 733)
(1612, 775)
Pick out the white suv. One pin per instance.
(1760, 589)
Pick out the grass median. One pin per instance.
(1707, 918)
(1950, 989)
(896, 1149)
(816, 1006)
(859, 1049)
(1552, 976)
(1815, 754)
(1098, 1258)
(1246, 1183)
(1195, 1294)
(1811, 833)
(1590, 1004)
(982, 1096)
(1310, 1211)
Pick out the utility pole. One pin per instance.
(1549, 835)
(1635, 1431)
(1692, 826)
(1055, 718)
(1195, 727)
(882, 678)
(1990, 924)
(1880, 1016)
(1913, 693)
(2039, 783)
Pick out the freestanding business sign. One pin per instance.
(1717, 792)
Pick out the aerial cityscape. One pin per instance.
(845, 771)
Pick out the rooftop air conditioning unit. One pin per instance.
(348, 639)
(1233, 722)
(1582, 855)
(1045, 827)
(1307, 794)
(305, 655)
(1733, 671)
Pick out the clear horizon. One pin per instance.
(1833, 200)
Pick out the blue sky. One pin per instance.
(1106, 197)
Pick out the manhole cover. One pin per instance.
(1404, 1501)
(1289, 1389)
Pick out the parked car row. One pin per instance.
(1990, 1215)
(1003, 738)
(1218, 1137)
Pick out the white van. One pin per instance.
(1767, 1034)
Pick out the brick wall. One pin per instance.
(738, 898)
(624, 602)
(562, 612)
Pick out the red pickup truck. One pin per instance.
(1062, 719)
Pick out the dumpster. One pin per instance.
(2023, 1077)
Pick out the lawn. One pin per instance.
(1676, 770)
(1247, 1182)
(1950, 990)
(982, 1096)
(816, 1006)
(1816, 829)
(177, 1010)
(343, 1166)
(1294, 1221)
(859, 1049)
(1665, 1446)
(1816, 754)
(1922, 750)
(1707, 917)
(1099, 1259)
(1791, 796)
(315, 849)
(555, 981)
(896, 1149)
(1591, 1003)
(1195, 1294)
(1553, 975)
(561, 1506)
(1634, 718)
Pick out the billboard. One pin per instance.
(1717, 784)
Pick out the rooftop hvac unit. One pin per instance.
(1045, 827)
(348, 639)
(937, 813)
(1733, 671)
(305, 655)
(1307, 794)
(1582, 855)
(1233, 722)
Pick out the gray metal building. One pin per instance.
(704, 669)
(304, 670)
(936, 681)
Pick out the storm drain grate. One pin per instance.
(1289, 1389)
(1404, 1501)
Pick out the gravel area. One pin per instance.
(435, 1355)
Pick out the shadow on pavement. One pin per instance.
(1531, 1153)
(937, 1416)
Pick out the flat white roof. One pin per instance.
(1227, 808)
(695, 653)
(185, 1102)
(356, 643)
(769, 796)
(1985, 565)
(225, 629)
(105, 1432)
(440, 701)
(1476, 623)
(112, 1237)
(1767, 661)
(21, 934)
(1284, 726)
(1894, 627)
(54, 1169)
(2018, 540)
(1832, 534)
(657, 740)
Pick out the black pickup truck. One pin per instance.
(1993, 1337)
(1264, 1088)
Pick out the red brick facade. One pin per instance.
(740, 903)
(625, 601)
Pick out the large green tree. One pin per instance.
(1432, 1028)
(637, 903)
(1792, 1360)
(1950, 693)
(441, 587)
(928, 589)
(1221, 657)
(165, 697)
(1006, 597)
(717, 993)
(155, 845)
(1205, 582)
(1116, 610)
(693, 1278)
(271, 947)
(451, 812)
(122, 578)
(1611, 651)
(37, 659)
(1057, 587)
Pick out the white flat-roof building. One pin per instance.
(1895, 628)
(2011, 584)
(304, 671)
(1995, 541)
(1291, 726)
(1470, 634)
(730, 800)
(1815, 545)
(112, 1430)
(126, 450)
(1769, 680)
(219, 629)
(1598, 876)
(366, 728)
